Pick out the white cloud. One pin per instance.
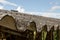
(53, 3)
(53, 8)
(1, 7)
(45, 14)
(20, 9)
(52, 15)
(7, 2)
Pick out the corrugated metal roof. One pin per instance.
(25, 19)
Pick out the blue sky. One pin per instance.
(47, 8)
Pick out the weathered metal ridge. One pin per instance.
(8, 22)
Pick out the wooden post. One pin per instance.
(50, 34)
(33, 28)
(44, 32)
(2, 35)
(58, 33)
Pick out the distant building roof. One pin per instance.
(14, 10)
